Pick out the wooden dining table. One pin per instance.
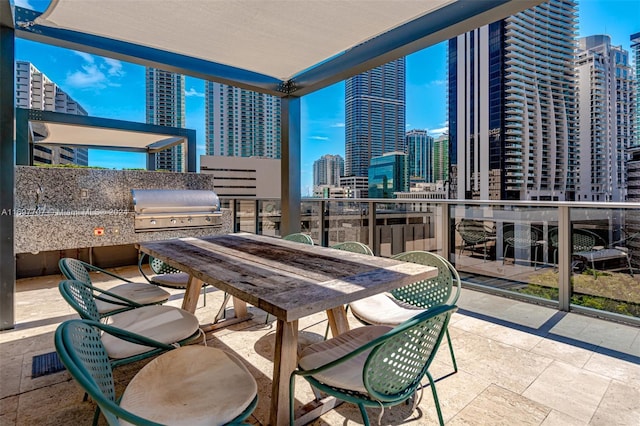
(286, 279)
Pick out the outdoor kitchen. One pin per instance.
(99, 215)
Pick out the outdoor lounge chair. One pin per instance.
(376, 366)
(124, 296)
(392, 309)
(165, 324)
(523, 238)
(190, 385)
(475, 233)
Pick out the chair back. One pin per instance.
(299, 238)
(395, 367)
(522, 237)
(434, 291)
(159, 267)
(353, 246)
(472, 231)
(74, 269)
(583, 240)
(81, 351)
(80, 296)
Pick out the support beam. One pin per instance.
(7, 168)
(290, 165)
(191, 151)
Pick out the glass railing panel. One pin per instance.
(245, 211)
(269, 217)
(310, 217)
(346, 220)
(407, 226)
(505, 247)
(605, 243)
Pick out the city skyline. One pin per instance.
(115, 89)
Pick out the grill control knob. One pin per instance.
(173, 221)
(189, 220)
(207, 218)
(152, 221)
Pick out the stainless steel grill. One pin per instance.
(161, 209)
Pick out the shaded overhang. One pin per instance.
(280, 47)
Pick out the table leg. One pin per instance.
(338, 321)
(190, 301)
(284, 362)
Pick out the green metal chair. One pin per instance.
(165, 324)
(403, 303)
(353, 246)
(184, 385)
(120, 298)
(299, 238)
(167, 276)
(385, 368)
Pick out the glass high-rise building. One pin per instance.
(420, 150)
(327, 170)
(441, 159)
(241, 123)
(635, 49)
(512, 106)
(605, 121)
(388, 173)
(34, 90)
(165, 106)
(374, 115)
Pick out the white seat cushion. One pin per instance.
(193, 385)
(383, 309)
(142, 293)
(347, 375)
(166, 324)
(177, 280)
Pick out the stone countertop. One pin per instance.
(46, 232)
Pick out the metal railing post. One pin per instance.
(256, 218)
(372, 228)
(564, 258)
(447, 230)
(324, 237)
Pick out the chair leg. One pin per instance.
(365, 417)
(435, 398)
(204, 294)
(453, 357)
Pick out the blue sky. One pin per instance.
(115, 89)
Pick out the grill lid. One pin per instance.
(158, 209)
(183, 201)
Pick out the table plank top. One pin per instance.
(287, 279)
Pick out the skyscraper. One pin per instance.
(374, 115)
(165, 107)
(635, 48)
(605, 120)
(420, 150)
(241, 123)
(388, 173)
(327, 170)
(441, 158)
(34, 90)
(512, 106)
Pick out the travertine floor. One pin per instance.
(519, 364)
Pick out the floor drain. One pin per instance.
(45, 364)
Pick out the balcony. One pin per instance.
(518, 363)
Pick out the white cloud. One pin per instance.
(87, 57)
(337, 125)
(319, 138)
(439, 131)
(194, 92)
(434, 83)
(91, 74)
(89, 77)
(114, 67)
(23, 3)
